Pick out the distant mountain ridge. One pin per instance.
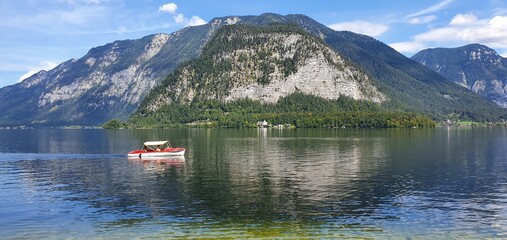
(111, 81)
(474, 66)
(108, 82)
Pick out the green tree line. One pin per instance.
(298, 110)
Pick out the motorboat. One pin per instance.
(157, 149)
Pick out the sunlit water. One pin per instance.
(268, 183)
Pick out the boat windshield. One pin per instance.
(156, 145)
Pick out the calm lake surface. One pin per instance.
(258, 183)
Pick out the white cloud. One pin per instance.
(463, 19)
(431, 9)
(168, 7)
(196, 21)
(193, 21)
(410, 47)
(499, 22)
(88, 17)
(422, 20)
(43, 66)
(492, 32)
(179, 18)
(362, 27)
(424, 16)
(462, 29)
(27, 75)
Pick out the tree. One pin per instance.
(114, 124)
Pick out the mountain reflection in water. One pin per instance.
(256, 183)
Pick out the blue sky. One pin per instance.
(39, 34)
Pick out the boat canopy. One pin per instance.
(155, 143)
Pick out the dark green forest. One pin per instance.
(297, 110)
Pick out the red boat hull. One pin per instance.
(152, 153)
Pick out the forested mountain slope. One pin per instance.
(278, 71)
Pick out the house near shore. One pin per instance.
(262, 124)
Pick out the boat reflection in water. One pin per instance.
(160, 162)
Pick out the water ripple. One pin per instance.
(250, 184)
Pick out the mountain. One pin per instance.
(279, 73)
(409, 85)
(110, 81)
(476, 67)
(265, 64)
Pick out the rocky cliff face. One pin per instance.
(108, 82)
(265, 64)
(473, 66)
(408, 85)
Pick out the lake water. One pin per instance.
(257, 183)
